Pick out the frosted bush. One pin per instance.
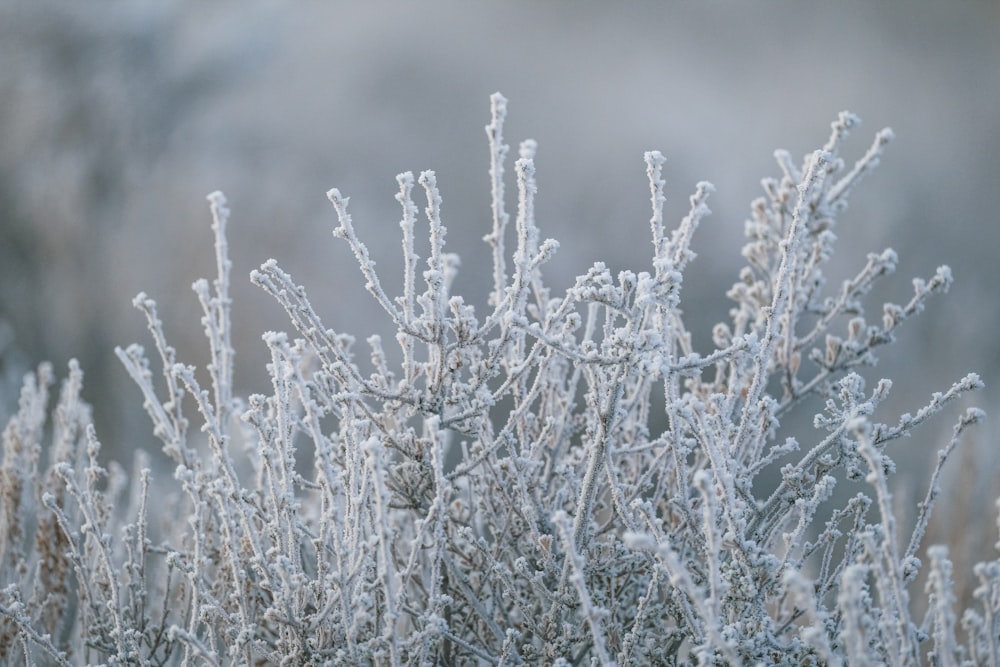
(554, 479)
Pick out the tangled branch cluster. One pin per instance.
(561, 480)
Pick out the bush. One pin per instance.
(563, 480)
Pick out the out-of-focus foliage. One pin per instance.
(116, 118)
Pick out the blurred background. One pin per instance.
(117, 118)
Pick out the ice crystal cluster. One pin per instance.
(550, 479)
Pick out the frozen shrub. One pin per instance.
(557, 479)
